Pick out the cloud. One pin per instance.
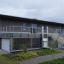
(51, 10)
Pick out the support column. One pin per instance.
(11, 44)
(31, 42)
(42, 35)
(31, 35)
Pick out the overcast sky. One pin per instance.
(52, 10)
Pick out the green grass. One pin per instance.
(47, 52)
(5, 60)
(56, 61)
(13, 58)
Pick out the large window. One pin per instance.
(25, 27)
(20, 43)
(36, 43)
(45, 29)
(34, 28)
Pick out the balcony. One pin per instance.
(19, 32)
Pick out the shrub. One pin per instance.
(22, 55)
(24, 47)
(29, 54)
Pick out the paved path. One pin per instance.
(43, 58)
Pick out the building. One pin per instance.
(17, 32)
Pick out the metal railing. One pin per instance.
(19, 35)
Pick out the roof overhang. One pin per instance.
(14, 18)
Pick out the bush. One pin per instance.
(22, 55)
(30, 54)
(26, 55)
(24, 47)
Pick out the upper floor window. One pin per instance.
(45, 29)
(26, 25)
(34, 28)
(58, 30)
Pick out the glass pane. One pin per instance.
(20, 43)
(45, 29)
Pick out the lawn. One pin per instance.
(13, 58)
(44, 51)
(56, 61)
(5, 60)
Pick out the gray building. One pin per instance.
(17, 32)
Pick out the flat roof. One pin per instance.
(14, 18)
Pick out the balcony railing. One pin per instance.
(20, 35)
(19, 32)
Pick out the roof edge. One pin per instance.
(22, 18)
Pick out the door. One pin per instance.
(6, 44)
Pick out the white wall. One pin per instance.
(6, 44)
(45, 39)
(45, 44)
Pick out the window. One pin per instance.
(26, 27)
(45, 35)
(39, 28)
(58, 30)
(34, 28)
(45, 29)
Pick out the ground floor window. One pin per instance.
(19, 43)
(36, 43)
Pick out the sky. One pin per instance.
(49, 10)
